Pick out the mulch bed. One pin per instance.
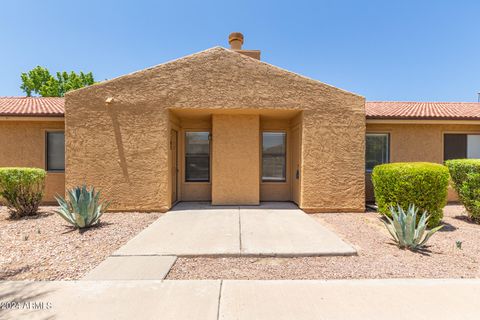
(47, 248)
(378, 257)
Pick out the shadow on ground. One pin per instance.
(25, 298)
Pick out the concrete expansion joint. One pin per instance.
(219, 299)
(217, 232)
(240, 249)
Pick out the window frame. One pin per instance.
(47, 132)
(285, 139)
(388, 147)
(184, 147)
(467, 133)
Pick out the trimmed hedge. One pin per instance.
(465, 175)
(22, 189)
(459, 169)
(423, 184)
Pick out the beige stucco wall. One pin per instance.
(417, 142)
(22, 144)
(333, 142)
(235, 159)
(122, 148)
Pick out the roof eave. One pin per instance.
(417, 120)
(27, 117)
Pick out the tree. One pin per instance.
(39, 81)
(34, 80)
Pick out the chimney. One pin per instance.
(236, 41)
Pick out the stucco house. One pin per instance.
(223, 126)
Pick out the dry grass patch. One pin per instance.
(47, 248)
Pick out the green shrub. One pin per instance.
(469, 194)
(22, 189)
(405, 183)
(404, 229)
(83, 208)
(465, 175)
(460, 168)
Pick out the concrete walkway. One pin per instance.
(132, 268)
(199, 229)
(271, 229)
(228, 300)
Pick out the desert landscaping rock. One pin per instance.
(47, 248)
(132, 268)
(52, 250)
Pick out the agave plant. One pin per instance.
(82, 208)
(404, 229)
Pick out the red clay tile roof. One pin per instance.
(32, 106)
(54, 107)
(423, 110)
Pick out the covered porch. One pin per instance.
(235, 157)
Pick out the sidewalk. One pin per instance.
(228, 300)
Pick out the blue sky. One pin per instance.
(384, 50)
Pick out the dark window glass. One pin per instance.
(274, 156)
(197, 156)
(454, 146)
(55, 157)
(461, 146)
(376, 150)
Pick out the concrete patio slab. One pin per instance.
(132, 268)
(271, 229)
(350, 299)
(287, 232)
(113, 299)
(188, 233)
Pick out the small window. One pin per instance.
(461, 146)
(197, 156)
(55, 151)
(274, 156)
(376, 150)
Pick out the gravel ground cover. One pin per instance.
(47, 248)
(377, 256)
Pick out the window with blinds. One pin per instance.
(461, 146)
(55, 151)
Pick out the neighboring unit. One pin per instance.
(31, 135)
